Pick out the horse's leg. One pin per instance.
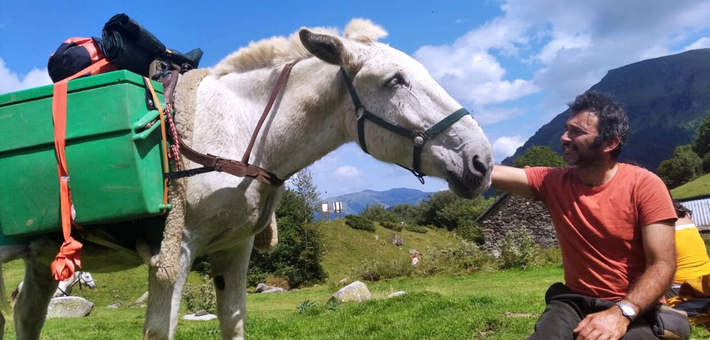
(229, 271)
(161, 317)
(31, 305)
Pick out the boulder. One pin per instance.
(69, 307)
(261, 287)
(356, 291)
(396, 294)
(196, 317)
(397, 240)
(273, 290)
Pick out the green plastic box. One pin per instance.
(114, 162)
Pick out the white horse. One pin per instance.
(315, 114)
(65, 287)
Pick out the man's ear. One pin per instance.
(329, 48)
(611, 144)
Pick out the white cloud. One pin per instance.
(11, 81)
(559, 49)
(506, 146)
(347, 172)
(703, 42)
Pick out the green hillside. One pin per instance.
(697, 187)
(346, 248)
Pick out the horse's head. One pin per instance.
(86, 279)
(417, 111)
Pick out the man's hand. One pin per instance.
(607, 325)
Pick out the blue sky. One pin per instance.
(513, 63)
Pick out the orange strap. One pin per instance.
(70, 251)
(166, 169)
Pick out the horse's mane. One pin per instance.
(281, 50)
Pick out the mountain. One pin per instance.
(355, 203)
(665, 98)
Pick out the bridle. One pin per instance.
(418, 137)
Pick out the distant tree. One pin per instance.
(378, 213)
(297, 256)
(682, 168)
(446, 210)
(303, 187)
(701, 145)
(539, 155)
(405, 212)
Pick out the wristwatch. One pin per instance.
(628, 311)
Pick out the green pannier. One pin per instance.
(114, 161)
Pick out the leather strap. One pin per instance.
(237, 168)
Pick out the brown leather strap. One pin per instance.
(233, 167)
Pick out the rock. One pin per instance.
(69, 307)
(261, 287)
(397, 240)
(273, 290)
(343, 281)
(396, 294)
(413, 251)
(201, 312)
(142, 299)
(205, 317)
(377, 237)
(114, 305)
(356, 291)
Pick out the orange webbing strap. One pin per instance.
(70, 251)
(166, 169)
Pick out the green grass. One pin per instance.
(697, 187)
(485, 304)
(345, 248)
(490, 305)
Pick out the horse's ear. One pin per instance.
(328, 48)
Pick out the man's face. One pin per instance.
(578, 139)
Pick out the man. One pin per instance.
(613, 222)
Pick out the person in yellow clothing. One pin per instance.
(691, 285)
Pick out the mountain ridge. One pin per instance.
(356, 202)
(666, 99)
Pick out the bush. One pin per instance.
(277, 281)
(517, 249)
(454, 259)
(202, 297)
(394, 226)
(378, 213)
(416, 228)
(470, 231)
(360, 223)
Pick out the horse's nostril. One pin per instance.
(479, 166)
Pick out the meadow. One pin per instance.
(487, 303)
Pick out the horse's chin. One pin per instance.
(467, 185)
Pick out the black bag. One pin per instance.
(129, 45)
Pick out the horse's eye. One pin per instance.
(397, 80)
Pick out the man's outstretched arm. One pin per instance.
(512, 180)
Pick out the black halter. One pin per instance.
(419, 138)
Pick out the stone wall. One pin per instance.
(513, 212)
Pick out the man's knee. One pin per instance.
(557, 322)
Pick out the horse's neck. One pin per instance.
(303, 126)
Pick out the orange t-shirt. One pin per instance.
(599, 228)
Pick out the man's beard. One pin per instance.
(589, 157)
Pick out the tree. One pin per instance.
(297, 256)
(539, 155)
(378, 213)
(303, 187)
(701, 145)
(683, 167)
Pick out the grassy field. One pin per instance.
(485, 304)
(697, 187)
